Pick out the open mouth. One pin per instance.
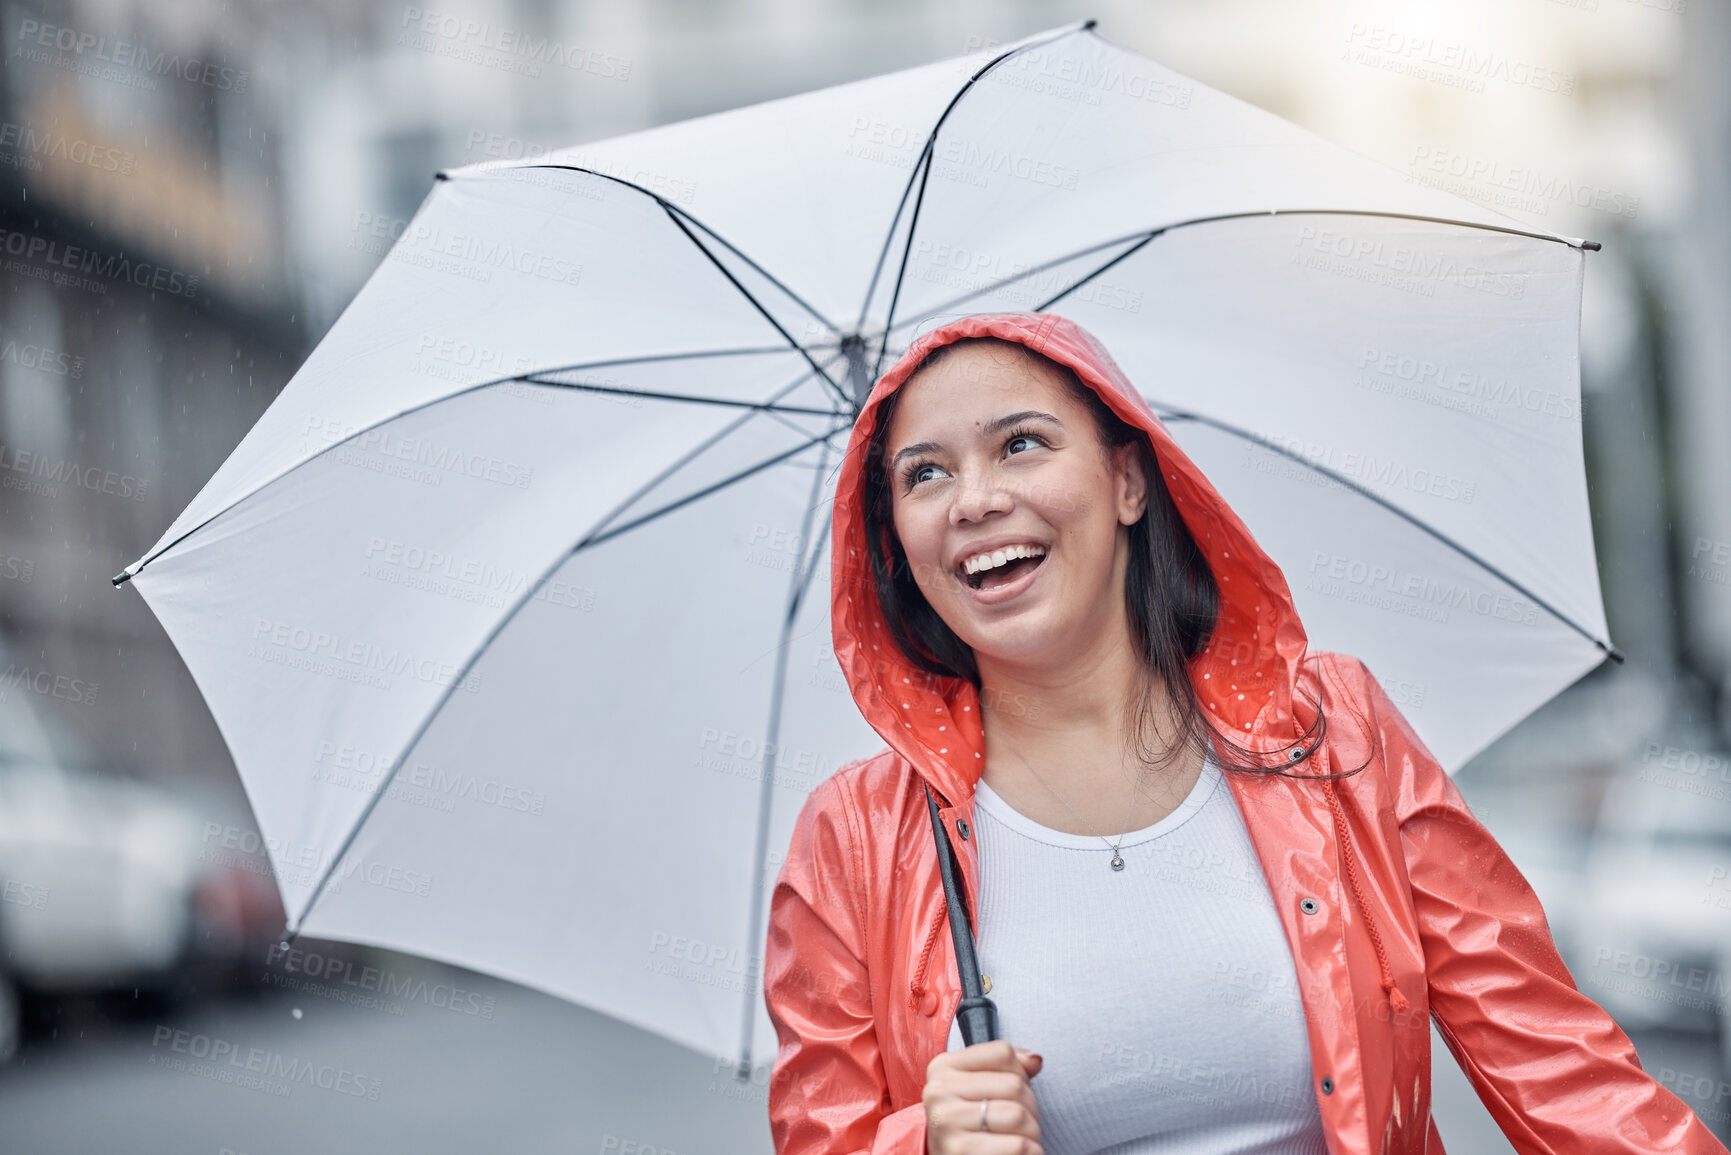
(987, 579)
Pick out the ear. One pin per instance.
(1130, 487)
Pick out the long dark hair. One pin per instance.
(1170, 592)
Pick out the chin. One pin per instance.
(1015, 639)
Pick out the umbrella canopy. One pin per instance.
(513, 608)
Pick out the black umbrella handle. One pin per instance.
(976, 1013)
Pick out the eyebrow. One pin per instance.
(992, 427)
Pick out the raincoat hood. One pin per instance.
(1246, 675)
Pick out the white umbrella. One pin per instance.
(512, 608)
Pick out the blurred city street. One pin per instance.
(192, 193)
(535, 1074)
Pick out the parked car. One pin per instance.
(106, 883)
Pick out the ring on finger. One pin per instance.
(983, 1103)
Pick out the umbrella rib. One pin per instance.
(765, 797)
(128, 573)
(889, 239)
(293, 928)
(1125, 255)
(1178, 415)
(757, 268)
(658, 395)
(902, 268)
(769, 408)
(811, 440)
(1144, 236)
(1040, 268)
(692, 455)
(925, 162)
(755, 303)
(670, 207)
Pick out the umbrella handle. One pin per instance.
(976, 1013)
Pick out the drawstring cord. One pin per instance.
(917, 987)
(1396, 1000)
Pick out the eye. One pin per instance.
(910, 475)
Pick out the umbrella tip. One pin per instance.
(290, 932)
(1088, 24)
(121, 578)
(1591, 246)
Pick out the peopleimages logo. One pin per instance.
(327, 976)
(227, 1061)
(1406, 591)
(970, 163)
(360, 769)
(1710, 560)
(1019, 283)
(886, 142)
(477, 256)
(25, 894)
(17, 569)
(1459, 387)
(1382, 472)
(416, 458)
(352, 659)
(1398, 266)
(302, 864)
(42, 475)
(28, 145)
(80, 260)
(48, 684)
(41, 358)
(1456, 65)
(700, 963)
(1053, 72)
(449, 34)
(90, 53)
(1514, 186)
(1659, 979)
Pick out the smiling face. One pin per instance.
(1011, 513)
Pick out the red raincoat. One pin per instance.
(1414, 911)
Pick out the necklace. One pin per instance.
(1117, 858)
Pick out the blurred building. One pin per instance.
(148, 315)
(1699, 348)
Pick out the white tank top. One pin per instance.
(1162, 997)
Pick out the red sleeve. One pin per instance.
(827, 1093)
(1552, 1067)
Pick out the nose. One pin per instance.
(979, 495)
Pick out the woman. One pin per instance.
(1220, 882)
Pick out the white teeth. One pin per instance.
(998, 557)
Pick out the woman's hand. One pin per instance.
(956, 1082)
